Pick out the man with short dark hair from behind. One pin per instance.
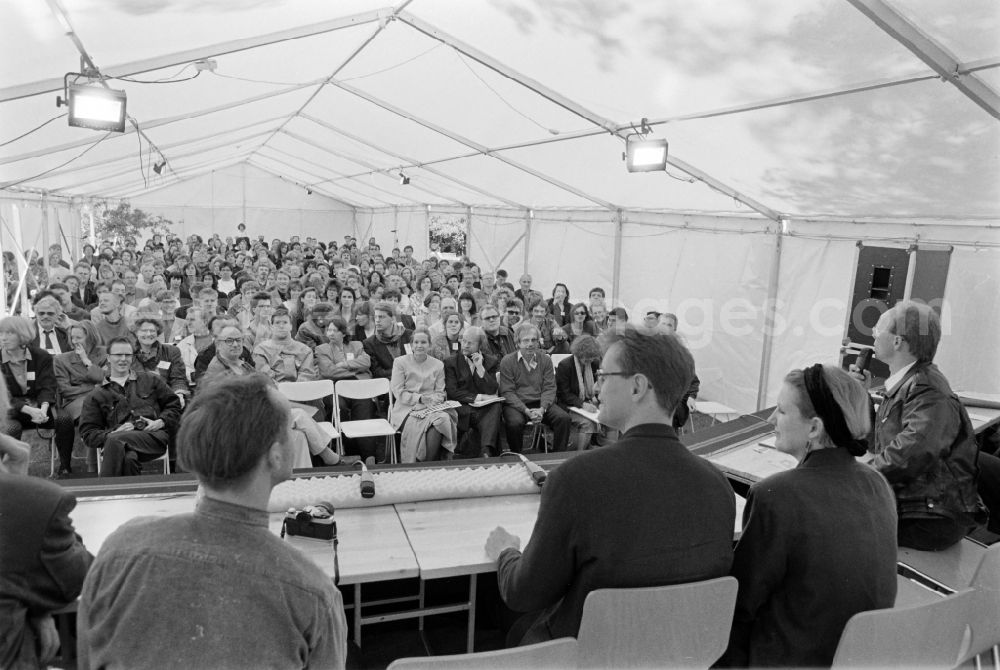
(215, 588)
(642, 512)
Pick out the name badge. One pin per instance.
(454, 346)
(349, 356)
(163, 365)
(30, 375)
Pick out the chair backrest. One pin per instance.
(928, 635)
(684, 625)
(306, 391)
(985, 616)
(362, 388)
(559, 653)
(558, 358)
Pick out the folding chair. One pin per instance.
(561, 653)
(165, 458)
(314, 390)
(929, 635)
(683, 625)
(985, 615)
(362, 389)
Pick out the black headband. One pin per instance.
(830, 412)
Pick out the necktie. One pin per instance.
(48, 340)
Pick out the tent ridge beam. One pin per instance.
(332, 182)
(359, 161)
(471, 144)
(495, 65)
(319, 180)
(412, 161)
(250, 161)
(549, 94)
(931, 52)
(191, 55)
(383, 22)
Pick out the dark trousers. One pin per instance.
(123, 452)
(62, 423)
(930, 534)
(555, 417)
(989, 487)
(478, 429)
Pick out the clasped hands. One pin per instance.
(39, 415)
(535, 414)
(151, 425)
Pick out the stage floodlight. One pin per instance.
(97, 108)
(158, 166)
(403, 179)
(645, 155)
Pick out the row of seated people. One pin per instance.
(80, 382)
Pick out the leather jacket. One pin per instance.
(925, 446)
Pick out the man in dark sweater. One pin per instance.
(528, 385)
(643, 512)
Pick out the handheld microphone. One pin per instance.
(535, 470)
(367, 482)
(864, 359)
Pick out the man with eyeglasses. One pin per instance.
(642, 512)
(51, 337)
(513, 310)
(528, 384)
(499, 339)
(131, 415)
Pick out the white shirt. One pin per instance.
(894, 380)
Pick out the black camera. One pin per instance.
(140, 423)
(315, 521)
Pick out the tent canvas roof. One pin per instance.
(806, 108)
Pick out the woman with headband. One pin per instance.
(819, 541)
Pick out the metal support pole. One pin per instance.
(44, 256)
(527, 239)
(616, 263)
(468, 232)
(770, 309)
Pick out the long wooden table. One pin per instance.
(427, 540)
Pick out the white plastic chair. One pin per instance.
(561, 653)
(683, 625)
(985, 615)
(165, 458)
(309, 391)
(362, 389)
(929, 635)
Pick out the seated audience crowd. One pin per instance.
(186, 311)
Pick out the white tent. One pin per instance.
(796, 131)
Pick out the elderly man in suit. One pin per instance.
(470, 376)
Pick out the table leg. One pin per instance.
(472, 613)
(420, 620)
(357, 615)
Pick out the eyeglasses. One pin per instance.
(580, 313)
(231, 341)
(491, 317)
(147, 331)
(601, 374)
(514, 312)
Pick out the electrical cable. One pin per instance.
(461, 58)
(393, 67)
(42, 174)
(141, 170)
(57, 116)
(163, 80)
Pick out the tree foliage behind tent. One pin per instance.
(123, 222)
(447, 234)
